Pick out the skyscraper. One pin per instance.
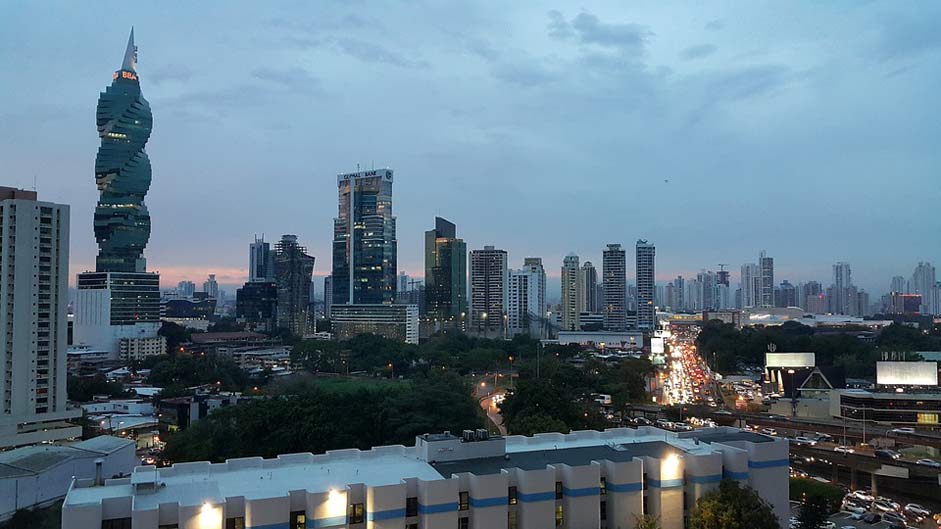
(364, 243)
(898, 284)
(767, 280)
(445, 273)
(526, 301)
(841, 298)
(34, 261)
(571, 293)
(186, 289)
(679, 293)
(327, 295)
(614, 279)
(293, 270)
(589, 285)
(117, 307)
(646, 258)
(751, 286)
(923, 283)
(260, 261)
(211, 287)
(489, 277)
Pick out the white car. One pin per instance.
(917, 510)
(806, 441)
(855, 509)
(928, 463)
(843, 449)
(904, 431)
(769, 431)
(862, 495)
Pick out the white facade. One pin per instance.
(572, 299)
(526, 302)
(34, 264)
(139, 348)
(574, 481)
(112, 306)
(396, 322)
(751, 285)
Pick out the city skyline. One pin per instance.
(218, 105)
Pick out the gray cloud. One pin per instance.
(909, 35)
(698, 52)
(559, 28)
(628, 38)
(170, 72)
(526, 74)
(292, 78)
(375, 53)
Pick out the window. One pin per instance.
(463, 501)
(646, 511)
(512, 520)
(411, 506)
(235, 523)
(462, 523)
(558, 490)
(116, 523)
(411, 526)
(604, 486)
(604, 510)
(168, 526)
(356, 513)
(298, 520)
(559, 516)
(511, 496)
(645, 481)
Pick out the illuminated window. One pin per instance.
(559, 516)
(604, 486)
(298, 520)
(927, 418)
(511, 496)
(463, 501)
(356, 513)
(235, 523)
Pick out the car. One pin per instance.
(862, 495)
(804, 441)
(822, 437)
(682, 427)
(769, 431)
(903, 431)
(828, 525)
(890, 501)
(917, 510)
(843, 449)
(872, 518)
(928, 463)
(854, 508)
(882, 506)
(884, 453)
(859, 515)
(848, 527)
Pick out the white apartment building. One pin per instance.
(573, 481)
(526, 303)
(34, 265)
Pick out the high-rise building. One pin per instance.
(211, 287)
(923, 283)
(364, 243)
(256, 305)
(185, 289)
(119, 303)
(489, 277)
(402, 286)
(589, 285)
(811, 290)
(898, 284)
(841, 298)
(571, 293)
(526, 302)
(327, 295)
(679, 292)
(786, 295)
(751, 286)
(260, 261)
(766, 264)
(614, 280)
(445, 273)
(708, 293)
(645, 264)
(293, 270)
(34, 294)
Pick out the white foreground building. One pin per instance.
(585, 479)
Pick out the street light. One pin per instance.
(793, 393)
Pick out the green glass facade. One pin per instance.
(122, 171)
(445, 273)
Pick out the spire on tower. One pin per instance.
(130, 55)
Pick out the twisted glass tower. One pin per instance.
(122, 170)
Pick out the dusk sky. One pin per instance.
(715, 130)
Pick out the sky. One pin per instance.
(715, 130)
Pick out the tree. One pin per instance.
(813, 513)
(732, 506)
(646, 521)
(538, 423)
(83, 389)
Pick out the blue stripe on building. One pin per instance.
(436, 509)
(579, 493)
(735, 475)
(535, 496)
(335, 521)
(768, 464)
(391, 514)
(715, 478)
(665, 484)
(624, 487)
(488, 502)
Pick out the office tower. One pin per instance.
(211, 287)
(260, 261)
(723, 276)
(185, 289)
(571, 293)
(839, 292)
(707, 288)
(645, 264)
(489, 277)
(364, 244)
(694, 292)
(34, 262)
(723, 296)
(589, 285)
(786, 295)
(923, 282)
(445, 273)
(402, 286)
(526, 302)
(293, 270)
(679, 291)
(256, 305)
(751, 286)
(766, 264)
(614, 280)
(327, 295)
(898, 284)
(864, 307)
(809, 290)
(669, 296)
(117, 307)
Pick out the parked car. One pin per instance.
(903, 431)
(843, 449)
(895, 505)
(882, 506)
(663, 423)
(769, 431)
(916, 511)
(682, 427)
(863, 495)
(643, 421)
(854, 508)
(804, 441)
(822, 437)
(928, 463)
(859, 515)
(872, 518)
(883, 453)
(828, 525)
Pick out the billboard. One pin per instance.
(790, 360)
(907, 373)
(656, 345)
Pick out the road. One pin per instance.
(686, 379)
(490, 405)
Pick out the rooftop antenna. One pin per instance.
(34, 181)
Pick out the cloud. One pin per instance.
(171, 72)
(715, 25)
(374, 53)
(524, 73)
(698, 52)
(906, 36)
(558, 27)
(747, 82)
(628, 38)
(293, 78)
